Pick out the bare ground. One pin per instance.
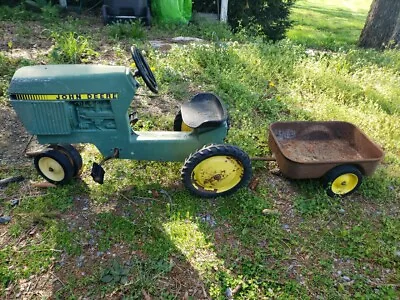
(13, 138)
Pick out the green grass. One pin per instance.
(132, 30)
(328, 24)
(142, 224)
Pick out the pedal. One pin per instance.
(97, 173)
(133, 118)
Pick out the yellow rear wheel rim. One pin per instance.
(344, 183)
(184, 127)
(217, 174)
(51, 169)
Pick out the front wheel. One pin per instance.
(216, 170)
(342, 180)
(73, 155)
(54, 166)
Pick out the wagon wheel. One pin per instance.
(216, 170)
(179, 125)
(342, 180)
(73, 155)
(54, 166)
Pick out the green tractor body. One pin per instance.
(89, 104)
(73, 104)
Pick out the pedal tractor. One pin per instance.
(71, 104)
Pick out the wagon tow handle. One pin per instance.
(97, 169)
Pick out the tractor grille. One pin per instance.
(43, 117)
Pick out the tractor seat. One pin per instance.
(204, 110)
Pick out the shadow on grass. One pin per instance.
(326, 27)
(64, 244)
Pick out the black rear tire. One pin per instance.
(216, 170)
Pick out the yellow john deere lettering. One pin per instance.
(94, 96)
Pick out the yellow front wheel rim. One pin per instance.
(344, 183)
(51, 168)
(217, 174)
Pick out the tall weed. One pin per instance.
(71, 48)
(126, 30)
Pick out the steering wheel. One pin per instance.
(143, 70)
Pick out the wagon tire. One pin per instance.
(73, 155)
(54, 166)
(216, 170)
(342, 180)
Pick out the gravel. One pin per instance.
(5, 219)
(80, 261)
(346, 278)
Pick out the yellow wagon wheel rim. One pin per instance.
(344, 183)
(217, 174)
(51, 168)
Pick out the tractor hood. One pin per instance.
(71, 82)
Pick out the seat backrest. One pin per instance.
(127, 7)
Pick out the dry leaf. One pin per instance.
(254, 183)
(145, 295)
(43, 184)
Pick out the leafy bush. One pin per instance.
(71, 48)
(50, 12)
(30, 11)
(115, 274)
(271, 15)
(16, 13)
(268, 17)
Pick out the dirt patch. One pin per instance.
(282, 191)
(157, 106)
(35, 287)
(26, 35)
(13, 138)
(183, 282)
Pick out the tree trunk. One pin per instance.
(63, 3)
(382, 24)
(396, 33)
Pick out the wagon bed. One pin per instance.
(310, 149)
